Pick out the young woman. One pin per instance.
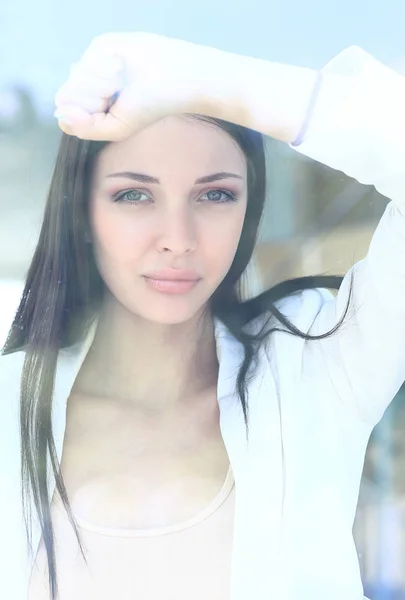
(160, 437)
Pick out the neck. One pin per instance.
(152, 365)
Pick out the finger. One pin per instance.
(108, 45)
(98, 66)
(88, 104)
(126, 116)
(100, 126)
(96, 127)
(88, 86)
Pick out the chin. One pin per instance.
(170, 309)
(169, 315)
(166, 310)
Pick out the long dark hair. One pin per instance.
(63, 291)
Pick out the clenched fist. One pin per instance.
(125, 81)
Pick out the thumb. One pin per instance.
(100, 126)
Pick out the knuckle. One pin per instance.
(60, 96)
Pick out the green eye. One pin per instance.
(131, 197)
(220, 196)
(216, 196)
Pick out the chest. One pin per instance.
(124, 467)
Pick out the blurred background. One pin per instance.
(317, 220)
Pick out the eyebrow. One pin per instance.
(142, 178)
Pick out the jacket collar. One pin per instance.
(259, 496)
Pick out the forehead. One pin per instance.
(174, 145)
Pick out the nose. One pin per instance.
(178, 231)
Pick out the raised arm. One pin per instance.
(358, 126)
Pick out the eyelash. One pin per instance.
(230, 196)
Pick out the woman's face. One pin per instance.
(152, 218)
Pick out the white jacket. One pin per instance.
(313, 405)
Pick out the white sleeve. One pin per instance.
(358, 126)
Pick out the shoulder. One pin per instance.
(10, 382)
(10, 448)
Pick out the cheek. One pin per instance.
(117, 238)
(220, 242)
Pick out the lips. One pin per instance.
(173, 275)
(172, 281)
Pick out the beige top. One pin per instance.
(191, 559)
